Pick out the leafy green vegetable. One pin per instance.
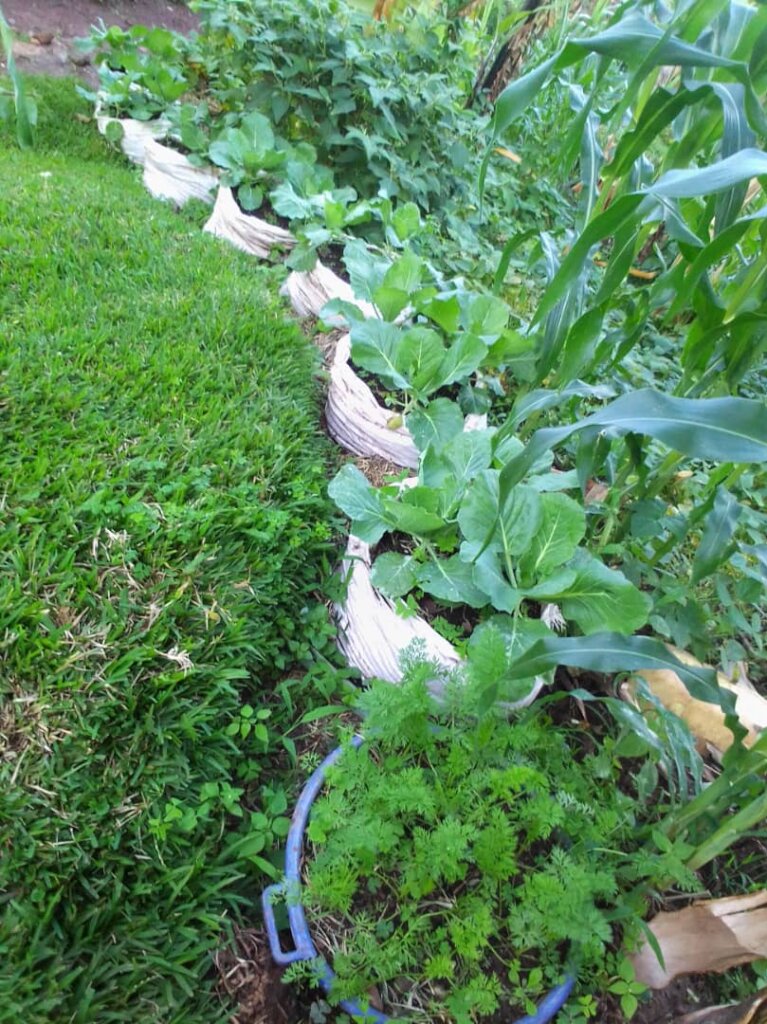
(472, 842)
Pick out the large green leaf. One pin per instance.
(405, 272)
(375, 345)
(400, 281)
(362, 503)
(479, 509)
(411, 518)
(436, 422)
(658, 113)
(518, 96)
(468, 454)
(393, 574)
(634, 40)
(365, 267)
(600, 598)
(486, 316)
(611, 652)
(463, 357)
(542, 398)
(718, 527)
(716, 177)
(443, 309)
(718, 429)
(419, 358)
(563, 525)
(489, 576)
(452, 580)
(520, 519)
(552, 586)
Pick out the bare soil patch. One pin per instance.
(49, 28)
(253, 982)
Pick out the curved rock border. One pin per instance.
(357, 422)
(309, 290)
(360, 424)
(245, 231)
(170, 175)
(372, 636)
(135, 135)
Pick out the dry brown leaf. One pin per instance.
(596, 491)
(508, 154)
(705, 721)
(710, 936)
(750, 1011)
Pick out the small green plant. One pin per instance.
(579, 1010)
(478, 858)
(434, 336)
(487, 524)
(142, 71)
(627, 988)
(248, 154)
(17, 104)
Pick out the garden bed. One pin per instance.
(501, 525)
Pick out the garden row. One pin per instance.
(489, 522)
(530, 487)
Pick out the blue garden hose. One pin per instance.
(304, 948)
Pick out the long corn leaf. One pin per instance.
(24, 132)
(612, 652)
(676, 184)
(716, 429)
(633, 39)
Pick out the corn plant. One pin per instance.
(18, 103)
(669, 171)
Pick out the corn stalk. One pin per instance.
(24, 106)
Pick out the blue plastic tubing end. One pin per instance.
(304, 948)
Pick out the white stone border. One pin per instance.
(373, 637)
(245, 231)
(170, 175)
(357, 422)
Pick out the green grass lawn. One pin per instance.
(163, 526)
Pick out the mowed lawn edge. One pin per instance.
(164, 527)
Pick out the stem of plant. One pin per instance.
(726, 474)
(614, 515)
(717, 796)
(660, 478)
(730, 832)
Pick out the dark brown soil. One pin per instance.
(49, 29)
(69, 19)
(332, 255)
(253, 982)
